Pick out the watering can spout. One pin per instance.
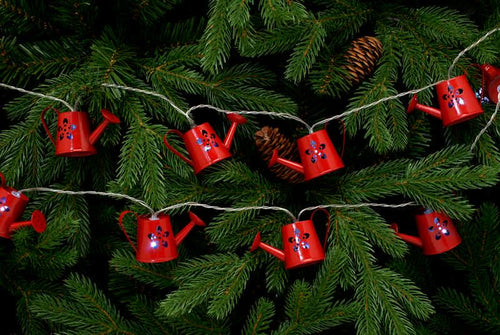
(236, 120)
(407, 238)
(108, 118)
(426, 109)
(37, 221)
(195, 221)
(266, 247)
(290, 164)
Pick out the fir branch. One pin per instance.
(86, 309)
(25, 18)
(462, 306)
(308, 313)
(143, 309)
(275, 41)
(278, 13)
(198, 323)
(305, 52)
(260, 318)
(239, 19)
(277, 277)
(217, 279)
(374, 227)
(217, 37)
(157, 275)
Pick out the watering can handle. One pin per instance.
(42, 117)
(122, 215)
(327, 223)
(171, 148)
(2, 179)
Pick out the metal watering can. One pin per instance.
(73, 137)
(12, 205)
(317, 154)
(436, 233)
(155, 238)
(457, 102)
(300, 242)
(203, 145)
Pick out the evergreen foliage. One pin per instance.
(81, 276)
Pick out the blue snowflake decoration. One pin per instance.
(316, 151)
(299, 240)
(208, 141)
(454, 96)
(439, 228)
(3, 207)
(158, 238)
(66, 130)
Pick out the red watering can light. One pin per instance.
(457, 102)
(491, 79)
(73, 132)
(300, 242)
(155, 238)
(203, 145)
(436, 233)
(12, 205)
(317, 154)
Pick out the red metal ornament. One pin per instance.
(155, 238)
(317, 154)
(12, 205)
(74, 138)
(457, 102)
(300, 242)
(203, 145)
(491, 77)
(436, 233)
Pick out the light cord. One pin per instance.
(468, 48)
(109, 194)
(226, 209)
(161, 96)
(367, 204)
(282, 115)
(154, 214)
(38, 95)
(487, 124)
(357, 109)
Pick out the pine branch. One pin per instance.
(217, 279)
(143, 309)
(157, 275)
(260, 318)
(461, 306)
(86, 310)
(217, 37)
(305, 52)
(278, 13)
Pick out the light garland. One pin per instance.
(154, 214)
(49, 97)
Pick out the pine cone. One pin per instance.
(267, 139)
(362, 57)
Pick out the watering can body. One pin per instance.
(203, 145)
(301, 245)
(436, 233)
(492, 81)
(155, 238)
(74, 137)
(12, 206)
(457, 101)
(317, 154)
